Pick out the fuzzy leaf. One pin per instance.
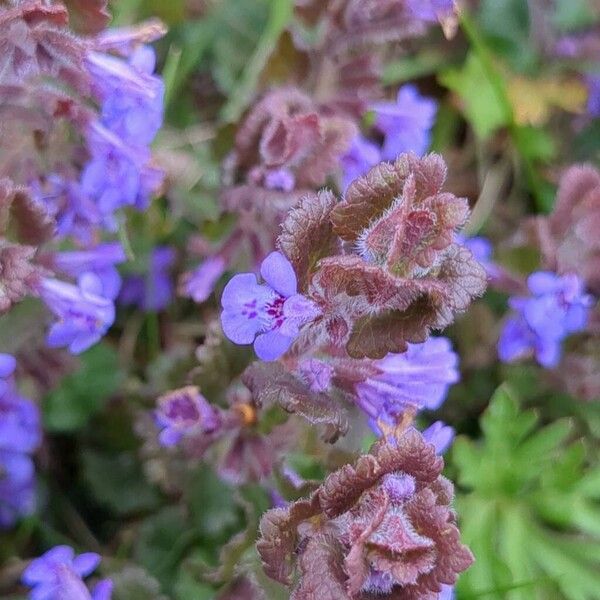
(395, 310)
(271, 384)
(307, 234)
(88, 16)
(369, 196)
(322, 574)
(27, 218)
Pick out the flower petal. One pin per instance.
(272, 345)
(278, 272)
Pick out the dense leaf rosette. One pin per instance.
(397, 273)
(381, 528)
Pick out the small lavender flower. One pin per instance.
(282, 180)
(447, 593)
(200, 283)
(7, 366)
(59, 574)
(182, 412)
(83, 315)
(152, 291)
(20, 435)
(406, 123)
(593, 103)
(556, 308)
(100, 261)
(361, 156)
(132, 105)
(269, 314)
(76, 215)
(117, 175)
(440, 435)
(417, 379)
(17, 487)
(431, 10)
(481, 248)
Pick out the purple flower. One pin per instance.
(282, 180)
(269, 314)
(117, 175)
(19, 423)
(152, 291)
(593, 104)
(17, 487)
(481, 248)
(447, 593)
(317, 374)
(100, 261)
(361, 156)
(20, 435)
(556, 308)
(417, 379)
(7, 366)
(83, 315)
(132, 98)
(200, 283)
(182, 412)
(75, 213)
(59, 574)
(440, 435)
(431, 10)
(406, 123)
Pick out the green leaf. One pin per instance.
(212, 505)
(161, 541)
(134, 583)
(479, 98)
(117, 482)
(523, 499)
(82, 394)
(505, 24)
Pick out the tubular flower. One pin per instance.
(556, 308)
(83, 315)
(414, 380)
(269, 314)
(182, 412)
(59, 574)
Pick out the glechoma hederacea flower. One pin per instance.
(59, 573)
(269, 314)
(558, 306)
(83, 315)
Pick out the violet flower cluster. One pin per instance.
(119, 172)
(416, 380)
(20, 436)
(556, 308)
(405, 125)
(151, 290)
(60, 573)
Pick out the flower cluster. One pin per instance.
(119, 172)
(20, 436)
(56, 78)
(405, 125)
(556, 308)
(59, 573)
(382, 527)
(415, 380)
(152, 290)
